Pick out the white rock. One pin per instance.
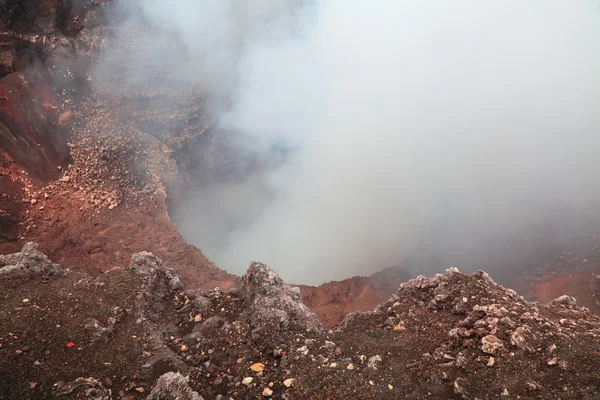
(248, 380)
(289, 382)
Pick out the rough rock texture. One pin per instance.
(271, 306)
(564, 300)
(490, 344)
(87, 388)
(158, 284)
(151, 267)
(134, 331)
(173, 386)
(30, 261)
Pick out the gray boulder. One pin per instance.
(173, 386)
(564, 300)
(28, 262)
(271, 306)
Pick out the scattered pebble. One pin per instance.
(257, 367)
(248, 380)
(289, 382)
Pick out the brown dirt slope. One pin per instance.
(451, 336)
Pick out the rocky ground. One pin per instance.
(136, 332)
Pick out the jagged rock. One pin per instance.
(459, 333)
(173, 386)
(91, 388)
(354, 318)
(98, 332)
(271, 306)
(158, 283)
(202, 304)
(147, 264)
(461, 360)
(162, 361)
(9, 259)
(564, 300)
(563, 365)
(490, 344)
(28, 262)
(211, 326)
(517, 338)
(374, 361)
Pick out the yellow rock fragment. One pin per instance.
(257, 367)
(289, 382)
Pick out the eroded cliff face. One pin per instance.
(137, 332)
(45, 16)
(79, 171)
(42, 65)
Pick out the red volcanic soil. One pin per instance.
(576, 275)
(334, 300)
(102, 209)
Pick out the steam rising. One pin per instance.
(397, 116)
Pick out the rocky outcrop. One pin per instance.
(158, 277)
(28, 262)
(564, 300)
(135, 332)
(158, 284)
(271, 306)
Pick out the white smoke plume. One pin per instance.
(399, 114)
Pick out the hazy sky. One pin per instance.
(401, 113)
